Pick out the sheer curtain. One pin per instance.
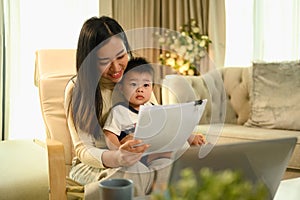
(262, 30)
(2, 68)
(51, 24)
(10, 41)
(276, 30)
(239, 32)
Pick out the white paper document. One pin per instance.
(167, 127)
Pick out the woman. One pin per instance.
(102, 56)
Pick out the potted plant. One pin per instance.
(210, 185)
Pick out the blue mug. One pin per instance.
(116, 189)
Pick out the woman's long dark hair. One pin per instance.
(87, 100)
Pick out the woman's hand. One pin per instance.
(131, 152)
(128, 154)
(196, 139)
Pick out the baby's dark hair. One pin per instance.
(140, 65)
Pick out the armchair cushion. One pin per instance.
(54, 68)
(23, 170)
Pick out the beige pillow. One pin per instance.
(275, 96)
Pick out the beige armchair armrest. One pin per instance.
(57, 170)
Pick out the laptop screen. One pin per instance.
(263, 161)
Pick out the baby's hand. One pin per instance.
(126, 138)
(196, 139)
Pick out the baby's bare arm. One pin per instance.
(126, 138)
(111, 140)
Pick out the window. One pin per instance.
(262, 30)
(276, 30)
(239, 32)
(51, 24)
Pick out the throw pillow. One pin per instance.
(275, 95)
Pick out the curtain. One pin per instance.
(217, 33)
(2, 69)
(52, 24)
(239, 33)
(143, 15)
(9, 42)
(178, 12)
(276, 30)
(139, 26)
(171, 14)
(257, 30)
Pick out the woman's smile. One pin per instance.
(117, 75)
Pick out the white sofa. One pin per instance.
(230, 106)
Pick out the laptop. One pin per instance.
(264, 160)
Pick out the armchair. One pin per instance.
(32, 169)
(53, 70)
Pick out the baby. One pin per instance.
(136, 86)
